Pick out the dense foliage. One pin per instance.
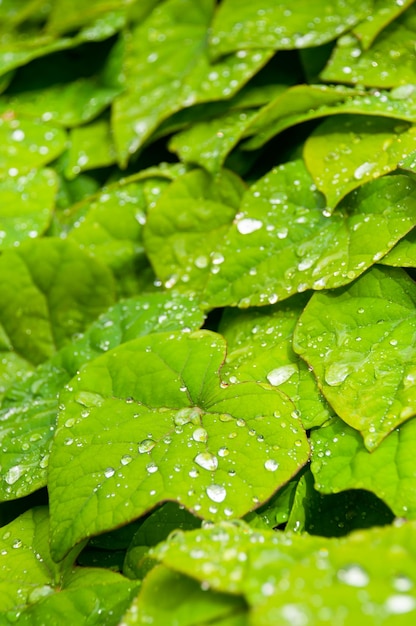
(207, 312)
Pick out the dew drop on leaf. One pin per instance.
(200, 434)
(216, 493)
(353, 575)
(146, 445)
(280, 375)
(207, 460)
(271, 465)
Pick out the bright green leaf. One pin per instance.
(26, 144)
(149, 422)
(282, 25)
(346, 151)
(90, 147)
(284, 241)
(68, 15)
(341, 461)
(260, 348)
(26, 205)
(384, 12)
(359, 343)
(388, 63)
(29, 408)
(165, 599)
(35, 590)
(167, 67)
(404, 253)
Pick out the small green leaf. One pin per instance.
(359, 343)
(50, 290)
(26, 205)
(27, 144)
(68, 15)
(90, 147)
(35, 590)
(29, 408)
(68, 105)
(403, 254)
(173, 42)
(165, 599)
(281, 25)
(388, 63)
(284, 241)
(384, 13)
(149, 422)
(341, 461)
(260, 348)
(346, 151)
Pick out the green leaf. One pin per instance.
(165, 599)
(260, 348)
(173, 42)
(68, 105)
(359, 343)
(284, 241)
(27, 144)
(346, 151)
(383, 13)
(308, 102)
(313, 580)
(388, 63)
(50, 290)
(341, 461)
(208, 143)
(185, 226)
(178, 435)
(280, 26)
(35, 590)
(68, 15)
(26, 205)
(29, 408)
(90, 147)
(404, 253)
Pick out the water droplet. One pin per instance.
(13, 474)
(216, 493)
(248, 225)
(110, 471)
(224, 451)
(152, 468)
(146, 445)
(126, 459)
(363, 170)
(280, 375)
(271, 465)
(241, 422)
(399, 604)
(402, 583)
(336, 373)
(185, 416)
(207, 460)
(200, 434)
(353, 575)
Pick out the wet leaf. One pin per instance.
(26, 205)
(164, 599)
(341, 461)
(173, 42)
(279, 25)
(284, 240)
(26, 144)
(286, 577)
(68, 15)
(359, 343)
(404, 253)
(90, 147)
(168, 431)
(36, 590)
(29, 408)
(346, 151)
(388, 62)
(260, 349)
(383, 13)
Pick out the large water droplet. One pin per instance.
(353, 575)
(207, 460)
(185, 416)
(271, 465)
(146, 445)
(216, 493)
(200, 434)
(13, 474)
(337, 373)
(248, 225)
(280, 375)
(399, 604)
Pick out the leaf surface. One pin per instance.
(359, 342)
(149, 422)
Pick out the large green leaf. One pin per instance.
(29, 408)
(50, 290)
(346, 151)
(298, 579)
(164, 599)
(26, 206)
(167, 68)
(68, 15)
(388, 63)
(285, 241)
(281, 25)
(308, 102)
(150, 422)
(383, 13)
(359, 341)
(27, 144)
(260, 348)
(341, 461)
(90, 147)
(35, 590)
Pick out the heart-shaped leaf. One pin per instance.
(150, 422)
